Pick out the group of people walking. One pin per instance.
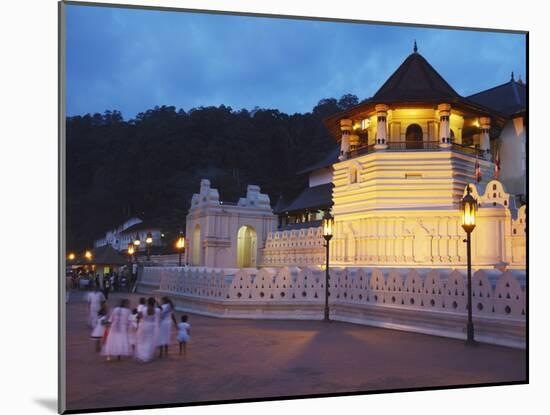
(139, 332)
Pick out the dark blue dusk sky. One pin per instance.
(131, 60)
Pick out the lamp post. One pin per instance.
(137, 242)
(328, 222)
(149, 242)
(469, 209)
(180, 245)
(88, 255)
(131, 251)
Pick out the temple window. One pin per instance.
(353, 174)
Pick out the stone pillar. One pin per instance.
(444, 125)
(381, 135)
(484, 142)
(345, 127)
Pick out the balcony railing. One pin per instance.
(471, 150)
(418, 146)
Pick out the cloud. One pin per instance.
(132, 60)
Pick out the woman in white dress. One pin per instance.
(94, 298)
(117, 340)
(147, 332)
(167, 318)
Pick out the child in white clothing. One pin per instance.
(132, 329)
(183, 334)
(99, 330)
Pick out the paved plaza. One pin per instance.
(240, 359)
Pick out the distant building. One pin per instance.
(509, 99)
(126, 233)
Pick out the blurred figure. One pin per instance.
(142, 306)
(94, 298)
(123, 283)
(184, 334)
(147, 332)
(166, 319)
(117, 340)
(132, 329)
(106, 286)
(99, 330)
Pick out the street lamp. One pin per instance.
(149, 242)
(469, 209)
(71, 256)
(328, 223)
(88, 255)
(180, 245)
(131, 252)
(137, 242)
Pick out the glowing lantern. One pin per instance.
(469, 209)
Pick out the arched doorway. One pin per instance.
(246, 247)
(196, 248)
(414, 137)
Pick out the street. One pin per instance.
(240, 359)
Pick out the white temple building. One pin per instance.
(401, 164)
(394, 181)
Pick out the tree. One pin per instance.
(347, 101)
(151, 165)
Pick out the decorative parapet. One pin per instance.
(494, 195)
(206, 196)
(424, 300)
(299, 247)
(254, 198)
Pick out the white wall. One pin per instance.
(404, 211)
(422, 300)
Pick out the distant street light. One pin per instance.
(180, 245)
(71, 256)
(137, 242)
(149, 242)
(88, 255)
(469, 209)
(328, 223)
(130, 251)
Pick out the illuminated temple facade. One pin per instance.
(401, 162)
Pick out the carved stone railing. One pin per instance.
(431, 301)
(298, 247)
